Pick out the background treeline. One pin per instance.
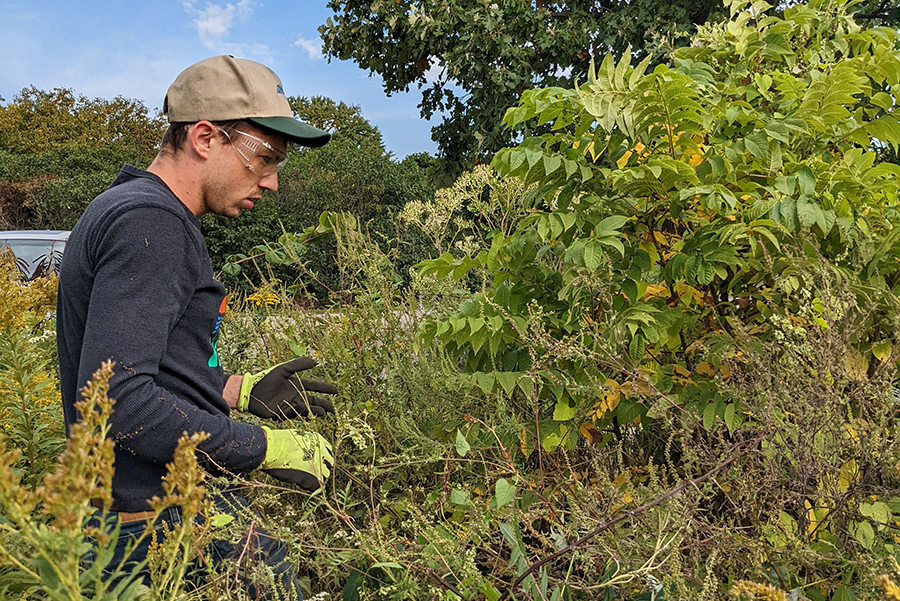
(58, 150)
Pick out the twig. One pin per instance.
(625, 516)
(446, 585)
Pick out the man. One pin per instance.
(136, 286)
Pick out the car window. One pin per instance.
(36, 257)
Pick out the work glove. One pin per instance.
(279, 393)
(301, 459)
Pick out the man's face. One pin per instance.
(242, 166)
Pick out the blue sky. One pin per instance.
(105, 48)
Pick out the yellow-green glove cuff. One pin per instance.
(247, 384)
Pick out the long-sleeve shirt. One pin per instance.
(136, 286)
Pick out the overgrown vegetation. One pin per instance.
(654, 358)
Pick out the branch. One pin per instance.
(878, 13)
(625, 516)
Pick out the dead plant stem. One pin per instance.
(625, 516)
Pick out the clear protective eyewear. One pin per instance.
(270, 163)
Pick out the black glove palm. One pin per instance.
(280, 393)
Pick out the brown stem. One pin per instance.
(609, 524)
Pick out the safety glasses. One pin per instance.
(250, 148)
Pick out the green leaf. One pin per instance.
(490, 593)
(610, 224)
(563, 412)
(507, 380)
(231, 269)
(729, 417)
(865, 534)
(843, 593)
(593, 255)
(629, 287)
(462, 445)
(757, 145)
(551, 442)
(807, 181)
(504, 493)
(709, 415)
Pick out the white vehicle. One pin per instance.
(38, 252)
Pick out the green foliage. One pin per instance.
(37, 120)
(51, 190)
(344, 175)
(474, 59)
(751, 143)
(343, 121)
(700, 236)
(58, 151)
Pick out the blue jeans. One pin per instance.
(256, 546)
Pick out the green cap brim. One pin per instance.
(293, 130)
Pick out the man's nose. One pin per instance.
(269, 182)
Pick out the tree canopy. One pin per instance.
(342, 120)
(473, 59)
(40, 120)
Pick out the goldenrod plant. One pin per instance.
(53, 540)
(30, 407)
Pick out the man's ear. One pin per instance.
(202, 136)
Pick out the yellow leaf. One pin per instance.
(623, 160)
(705, 369)
(682, 371)
(591, 432)
(856, 365)
(848, 474)
(850, 433)
(696, 158)
(621, 479)
(882, 350)
(523, 443)
(811, 518)
(656, 291)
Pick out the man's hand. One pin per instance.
(280, 393)
(301, 459)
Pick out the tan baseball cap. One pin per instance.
(224, 88)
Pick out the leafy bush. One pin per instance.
(341, 176)
(59, 150)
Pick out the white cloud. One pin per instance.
(312, 47)
(435, 70)
(214, 22)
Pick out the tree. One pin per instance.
(58, 150)
(709, 259)
(879, 12)
(342, 120)
(667, 198)
(475, 58)
(37, 120)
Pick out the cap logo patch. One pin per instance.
(279, 90)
